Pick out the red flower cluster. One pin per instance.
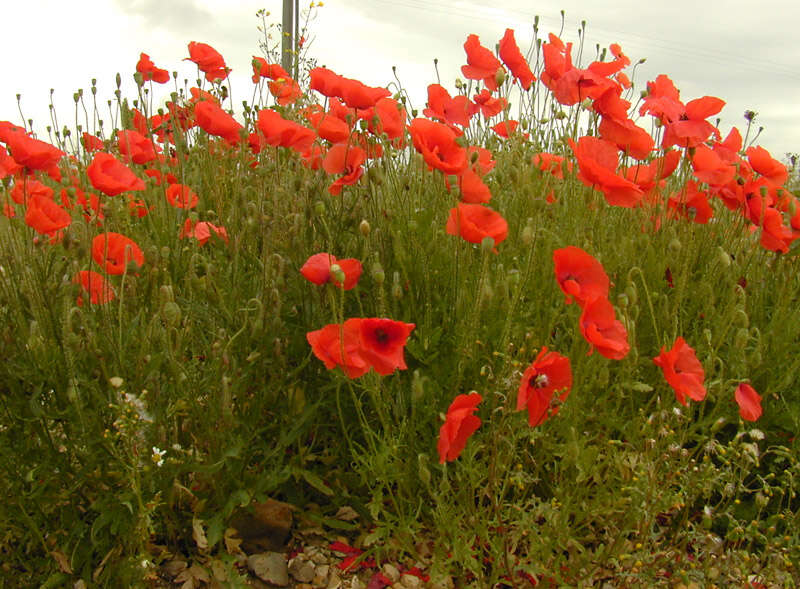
(582, 278)
(360, 344)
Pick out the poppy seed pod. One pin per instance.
(337, 273)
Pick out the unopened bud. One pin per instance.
(500, 76)
(337, 273)
(171, 314)
(723, 257)
(675, 245)
(487, 244)
(364, 227)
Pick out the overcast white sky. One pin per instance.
(743, 52)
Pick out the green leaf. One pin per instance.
(316, 482)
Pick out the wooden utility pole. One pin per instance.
(288, 33)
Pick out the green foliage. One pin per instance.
(195, 391)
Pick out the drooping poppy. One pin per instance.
(763, 163)
(99, 290)
(481, 63)
(113, 251)
(46, 216)
(111, 177)
(32, 153)
(580, 276)
(278, 131)
(383, 342)
(347, 160)
(8, 167)
(149, 71)
(749, 402)
(340, 345)
(474, 222)
(181, 197)
(389, 117)
(604, 332)
(459, 425)
(489, 105)
(549, 374)
(317, 270)
(683, 371)
(597, 161)
(135, 147)
(516, 62)
(212, 119)
(208, 60)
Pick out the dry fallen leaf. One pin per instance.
(192, 577)
(199, 534)
(346, 513)
(232, 542)
(62, 561)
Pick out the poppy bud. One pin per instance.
(632, 294)
(674, 245)
(513, 277)
(397, 290)
(487, 244)
(166, 294)
(337, 273)
(319, 208)
(723, 257)
(171, 314)
(137, 76)
(561, 115)
(417, 386)
(500, 76)
(364, 227)
(378, 275)
(622, 300)
(741, 318)
(528, 232)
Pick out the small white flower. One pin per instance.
(158, 456)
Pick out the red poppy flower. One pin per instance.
(458, 426)
(317, 269)
(437, 144)
(100, 291)
(456, 110)
(488, 104)
(285, 90)
(202, 231)
(579, 275)
(710, 167)
(473, 189)
(262, 69)
(391, 120)
(110, 176)
(763, 163)
(92, 143)
(113, 251)
(355, 94)
(383, 342)
(691, 128)
(683, 371)
(8, 167)
(181, 197)
(135, 147)
(475, 222)
(328, 126)
(549, 162)
(149, 70)
(26, 188)
(516, 62)
(690, 203)
(46, 216)
(208, 60)
(507, 128)
(548, 374)
(627, 136)
(481, 63)
(344, 159)
(604, 332)
(278, 131)
(340, 345)
(598, 160)
(212, 119)
(749, 402)
(33, 153)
